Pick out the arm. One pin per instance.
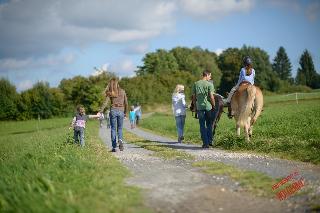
(94, 116)
(104, 105)
(194, 100)
(211, 96)
(211, 99)
(240, 76)
(184, 101)
(72, 122)
(125, 104)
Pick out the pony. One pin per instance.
(246, 104)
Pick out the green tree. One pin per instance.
(159, 62)
(229, 62)
(8, 100)
(307, 74)
(265, 78)
(281, 65)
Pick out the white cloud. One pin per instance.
(36, 27)
(99, 70)
(136, 49)
(287, 4)
(215, 9)
(219, 51)
(50, 61)
(24, 85)
(313, 10)
(123, 67)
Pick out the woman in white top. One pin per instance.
(179, 110)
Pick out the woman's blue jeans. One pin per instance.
(180, 121)
(116, 123)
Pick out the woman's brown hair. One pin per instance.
(248, 69)
(113, 88)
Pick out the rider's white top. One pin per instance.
(244, 77)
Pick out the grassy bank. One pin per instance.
(284, 129)
(42, 172)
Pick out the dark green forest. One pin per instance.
(156, 79)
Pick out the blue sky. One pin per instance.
(54, 39)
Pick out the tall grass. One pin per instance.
(285, 129)
(41, 171)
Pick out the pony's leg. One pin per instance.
(250, 131)
(247, 129)
(238, 129)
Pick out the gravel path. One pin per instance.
(176, 186)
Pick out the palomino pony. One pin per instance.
(246, 104)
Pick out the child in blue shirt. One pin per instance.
(132, 117)
(79, 124)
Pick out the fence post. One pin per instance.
(296, 97)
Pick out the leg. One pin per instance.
(214, 114)
(82, 143)
(238, 129)
(178, 125)
(233, 90)
(120, 118)
(108, 122)
(183, 121)
(250, 131)
(76, 136)
(113, 123)
(203, 129)
(246, 130)
(209, 123)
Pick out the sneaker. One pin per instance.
(113, 150)
(205, 146)
(121, 145)
(210, 144)
(182, 138)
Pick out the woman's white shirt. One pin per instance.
(178, 104)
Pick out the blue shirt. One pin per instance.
(244, 77)
(132, 115)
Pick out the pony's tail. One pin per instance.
(258, 105)
(247, 109)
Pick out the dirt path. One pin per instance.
(176, 186)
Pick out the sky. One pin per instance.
(55, 39)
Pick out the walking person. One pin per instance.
(79, 124)
(119, 105)
(132, 117)
(202, 96)
(138, 112)
(101, 118)
(107, 116)
(179, 110)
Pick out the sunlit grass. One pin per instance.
(41, 171)
(159, 149)
(286, 130)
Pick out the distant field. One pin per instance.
(285, 129)
(42, 172)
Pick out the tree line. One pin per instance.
(156, 78)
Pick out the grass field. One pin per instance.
(41, 171)
(285, 129)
